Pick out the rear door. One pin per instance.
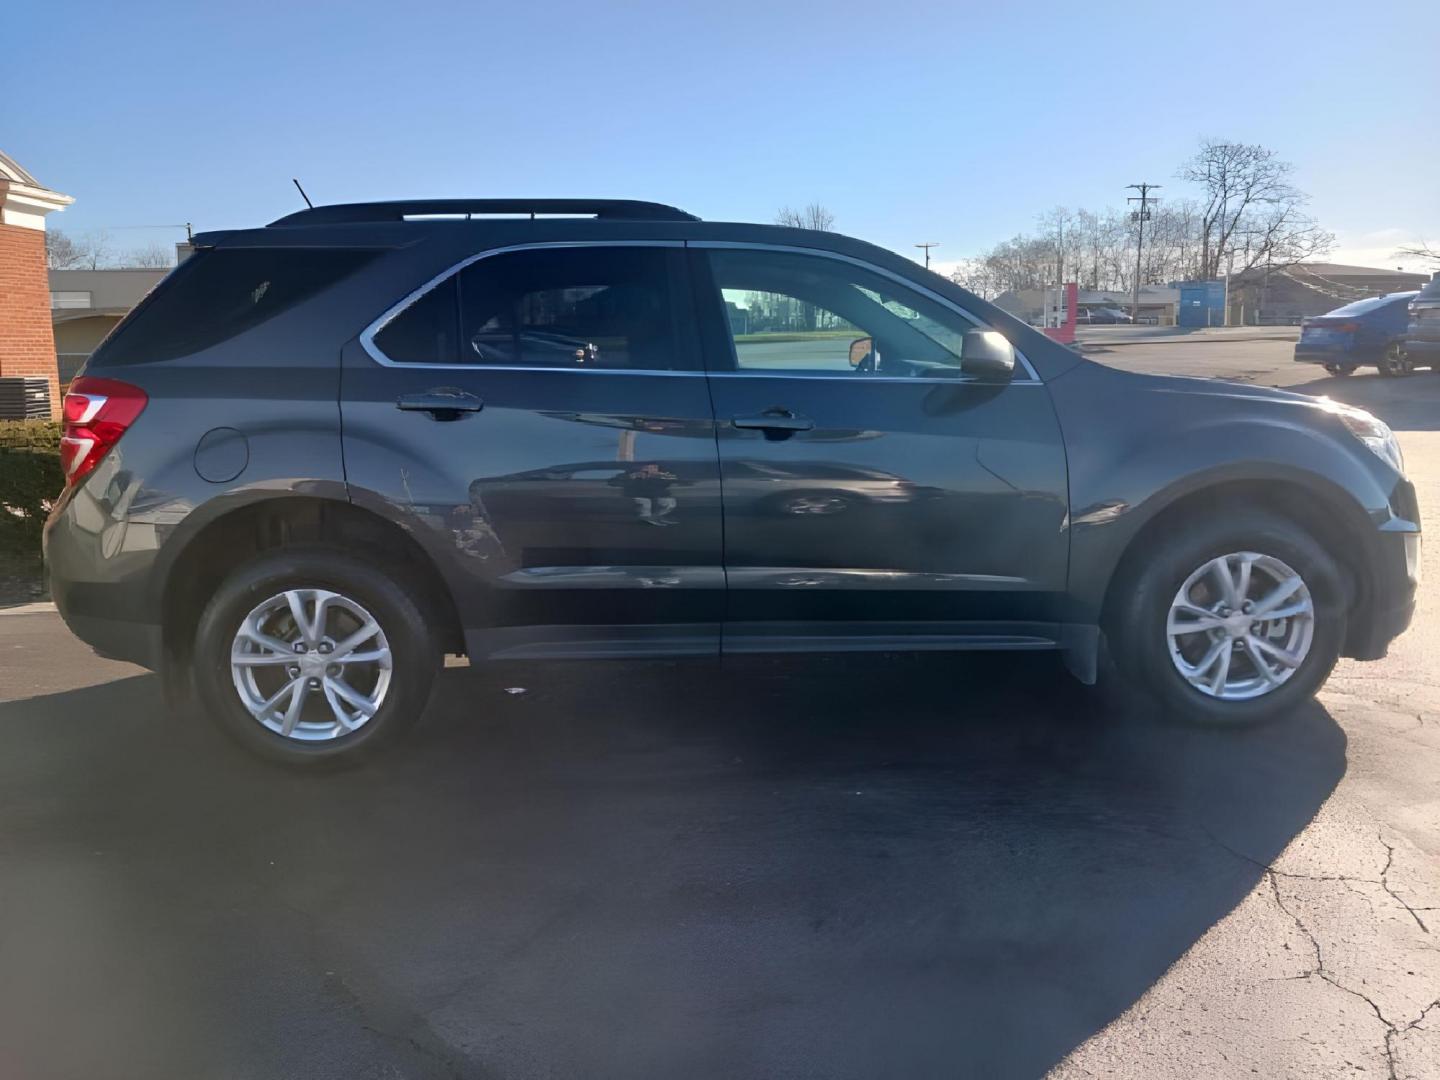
(539, 419)
(872, 490)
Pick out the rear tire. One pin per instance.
(1146, 650)
(1396, 363)
(1340, 371)
(349, 691)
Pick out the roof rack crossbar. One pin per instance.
(613, 209)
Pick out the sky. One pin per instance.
(955, 122)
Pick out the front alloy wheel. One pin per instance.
(1230, 616)
(311, 664)
(1240, 626)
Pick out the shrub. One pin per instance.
(30, 480)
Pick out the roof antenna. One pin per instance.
(300, 189)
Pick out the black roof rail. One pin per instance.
(350, 213)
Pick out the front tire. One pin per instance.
(310, 656)
(1231, 622)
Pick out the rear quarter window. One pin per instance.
(215, 295)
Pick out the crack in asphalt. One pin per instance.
(1385, 884)
(1269, 869)
(1393, 1029)
(1345, 879)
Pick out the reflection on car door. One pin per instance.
(870, 490)
(575, 506)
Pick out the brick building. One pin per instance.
(27, 342)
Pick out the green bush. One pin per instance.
(30, 480)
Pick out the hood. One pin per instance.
(1214, 389)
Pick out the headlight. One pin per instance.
(1372, 431)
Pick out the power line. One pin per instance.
(1141, 216)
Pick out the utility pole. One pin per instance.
(1141, 216)
(927, 247)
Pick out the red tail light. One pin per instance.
(97, 412)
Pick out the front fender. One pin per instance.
(1163, 441)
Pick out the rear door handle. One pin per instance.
(776, 419)
(442, 402)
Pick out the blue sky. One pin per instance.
(951, 122)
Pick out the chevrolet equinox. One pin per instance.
(324, 453)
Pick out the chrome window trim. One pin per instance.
(367, 336)
(899, 279)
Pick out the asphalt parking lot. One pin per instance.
(910, 867)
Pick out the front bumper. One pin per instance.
(1387, 602)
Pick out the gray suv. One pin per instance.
(324, 453)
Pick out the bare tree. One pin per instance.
(62, 252)
(1059, 224)
(152, 255)
(89, 252)
(977, 276)
(814, 216)
(96, 245)
(1246, 190)
(1421, 250)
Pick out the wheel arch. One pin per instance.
(1324, 510)
(214, 548)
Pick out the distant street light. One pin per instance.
(927, 247)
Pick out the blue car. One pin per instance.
(1366, 332)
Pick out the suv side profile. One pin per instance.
(326, 452)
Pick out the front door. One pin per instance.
(540, 420)
(872, 488)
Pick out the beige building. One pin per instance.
(85, 305)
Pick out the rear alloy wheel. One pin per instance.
(310, 655)
(1396, 363)
(311, 664)
(1232, 619)
(1340, 370)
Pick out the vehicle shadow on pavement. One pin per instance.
(854, 867)
(1406, 404)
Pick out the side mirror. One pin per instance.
(860, 348)
(986, 355)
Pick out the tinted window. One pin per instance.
(809, 314)
(215, 295)
(426, 332)
(572, 307)
(590, 307)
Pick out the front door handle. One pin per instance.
(442, 402)
(776, 419)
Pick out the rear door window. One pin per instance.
(217, 294)
(583, 308)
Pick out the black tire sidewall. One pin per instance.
(1145, 644)
(414, 656)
